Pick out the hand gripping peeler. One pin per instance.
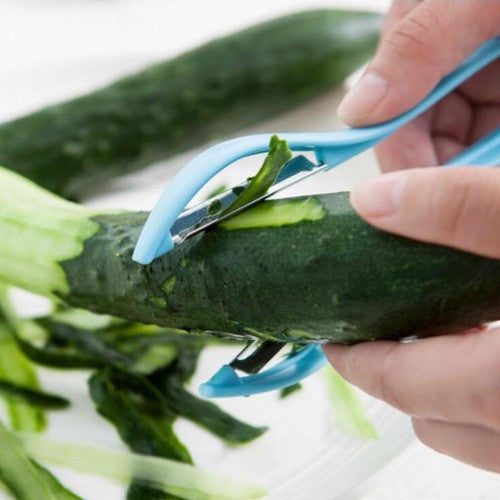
(169, 224)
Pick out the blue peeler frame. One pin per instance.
(330, 149)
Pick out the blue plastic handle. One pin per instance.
(226, 383)
(484, 153)
(331, 148)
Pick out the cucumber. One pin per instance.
(293, 270)
(196, 97)
(330, 278)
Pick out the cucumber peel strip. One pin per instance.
(275, 213)
(32, 397)
(25, 479)
(348, 409)
(186, 481)
(279, 153)
(15, 368)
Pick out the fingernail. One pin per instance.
(363, 98)
(381, 196)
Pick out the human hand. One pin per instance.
(450, 385)
(422, 41)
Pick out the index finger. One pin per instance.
(454, 378)
(411, 146)
(398, 10)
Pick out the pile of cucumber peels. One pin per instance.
(140, 371)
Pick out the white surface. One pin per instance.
(52, 49)
(303, 455)
(422, 474)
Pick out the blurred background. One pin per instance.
(56, 49)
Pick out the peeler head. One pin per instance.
(156, 238)
(159, 234)
(298, 365)
(331, 149)
(153, 242)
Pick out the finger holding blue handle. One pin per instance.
(330, 148)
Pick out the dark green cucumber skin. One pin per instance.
(201, 95)
(335, 279)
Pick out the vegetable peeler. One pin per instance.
(168, 224)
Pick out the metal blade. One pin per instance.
(207, 214)
(255, 361)
(191, 217)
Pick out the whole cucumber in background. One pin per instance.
(204, 94)
(291, 270)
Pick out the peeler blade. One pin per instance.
(255, 361)
(200, 217)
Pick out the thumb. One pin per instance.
(456, 207)
(415, 53)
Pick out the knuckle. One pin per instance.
(464, 207)
(403, 43)
(415, 38)
(410, 35)
(451, 205)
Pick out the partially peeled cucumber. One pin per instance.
(314, 271)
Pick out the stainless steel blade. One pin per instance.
(262, 353)
(207, 214)
(191, 217)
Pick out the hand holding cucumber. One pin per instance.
(450, 385)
